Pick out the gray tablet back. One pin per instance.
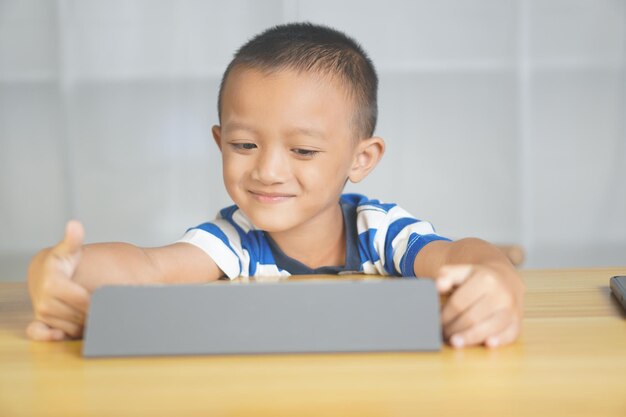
(281, 317)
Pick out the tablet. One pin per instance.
(256, 317)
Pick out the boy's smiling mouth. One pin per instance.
(266, 197)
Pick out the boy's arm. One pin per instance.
(61, 278)
(485, 306)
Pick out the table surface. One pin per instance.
(570, 361)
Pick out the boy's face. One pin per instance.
(287, 146)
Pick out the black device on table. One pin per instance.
(618, 287)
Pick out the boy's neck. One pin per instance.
(319, 242)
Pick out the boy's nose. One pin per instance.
(271, 168)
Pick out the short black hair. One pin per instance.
(311, 47)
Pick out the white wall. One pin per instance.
(504, 119)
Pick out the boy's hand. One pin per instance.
(484, 306)
(60, 305)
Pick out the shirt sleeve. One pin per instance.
(390, 239)
(413, 245)
(220, 240)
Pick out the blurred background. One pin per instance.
(504, 119)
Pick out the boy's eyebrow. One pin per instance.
(235, 125)
(306, 131)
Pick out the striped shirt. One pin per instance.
(381, 239)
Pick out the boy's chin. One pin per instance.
(269, 219)
(271, 225)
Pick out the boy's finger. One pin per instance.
(59, 310)
(63, 258)
(41, 332)
(73, 294)
(474, 314)
(479, 333)
(70, 329)
(462, 299)
(65, 291)
(72, 240)
(508, 335)
(451, 276)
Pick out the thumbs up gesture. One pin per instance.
(60, 304)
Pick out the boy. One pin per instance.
(297, 110)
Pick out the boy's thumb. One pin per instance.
(72, 242)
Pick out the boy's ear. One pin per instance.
(217, 135)
(368, 153)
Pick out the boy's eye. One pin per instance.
(243, 146)
(305, 152)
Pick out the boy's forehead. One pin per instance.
(283, 89)
(244, 83)
(242, 77)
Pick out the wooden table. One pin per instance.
(570, 361)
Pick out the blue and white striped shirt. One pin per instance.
(381, 239)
